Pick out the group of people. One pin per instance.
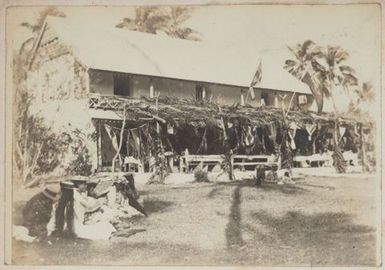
(76, 210)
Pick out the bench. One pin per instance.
(323, 160)
(251, 162)
(188, 162)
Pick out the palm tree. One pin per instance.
(301, 68)
(153, 19)
(365, 93)
(329, 64)
(149, 19)
(323, 70)
(178, 16)
(364, 96)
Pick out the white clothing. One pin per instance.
(82, 205)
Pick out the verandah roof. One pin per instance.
(185, 110)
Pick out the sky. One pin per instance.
(252, 30)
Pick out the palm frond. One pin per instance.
(347, 69)
(305, 46)
(366, 93)
(179, 14)
(50, 11)
(294, 52)
(349, 79)
(30, 26)
(341, 55)
(126, 23)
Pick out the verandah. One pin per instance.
(174, 128)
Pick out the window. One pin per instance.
(122, 85)
(302, 99)
(264, 99)
(201, 93)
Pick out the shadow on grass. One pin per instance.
(214, 192)
(143, 192)
(233, 229)
(266, 186)
(103, 252)
(153, 205)
(243, 183)
(285, 188)
(331, 238)
(62, 251)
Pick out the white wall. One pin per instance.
(102, 82)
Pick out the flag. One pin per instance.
(256, 79)
(248, 136)
(112, 136)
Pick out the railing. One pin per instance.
(109, 102)
(237, 161)
(324, 160)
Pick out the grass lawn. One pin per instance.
(318, 221)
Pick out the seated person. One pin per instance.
(118, 199)
(37, 211)
(69, 214)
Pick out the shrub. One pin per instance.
(82, 164)
(201, 176)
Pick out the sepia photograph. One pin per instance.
(177, 134)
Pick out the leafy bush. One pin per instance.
(201, 176)
(82, 164)
(38, 149)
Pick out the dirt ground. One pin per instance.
(317, 221)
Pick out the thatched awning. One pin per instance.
(173, 110)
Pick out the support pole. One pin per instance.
(231, 165)
(363, 152)
(99, 145)
(339, 162)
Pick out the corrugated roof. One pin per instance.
(134, 52)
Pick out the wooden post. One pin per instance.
(231, 168)
(313, 147)
(180, 164)
(99, 145)
(363, 152)
(242, 98)
(171, 163)
(157, 94)
(151, 90)
(203, 93)
(120, 143)
(186, 159)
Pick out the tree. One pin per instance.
(151, 19)
(177, 16)
(365, 94)
(364, 97)
(120, 143)
(323, 69)
(329, 64)
(36, 147)
(333, 73)
(301, 68)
